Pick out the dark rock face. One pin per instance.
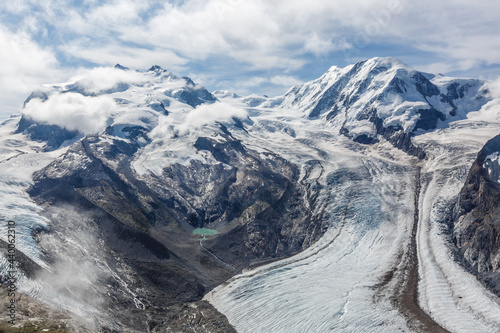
(396, 136)
(194, 94)
(424, 86)
(160, 107)
(429, 118)
(254, 198)
(52, 135)
(144, 224)
(477, 223)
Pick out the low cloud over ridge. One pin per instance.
(72, 111)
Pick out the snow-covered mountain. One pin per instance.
(381, 97)
(125, 103)
(143, 202)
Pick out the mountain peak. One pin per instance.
(382, 97)
(389, 62)
(118, 66)
(155, 68)
(125, 104)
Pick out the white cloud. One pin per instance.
(23, 66)
(264, 34)
(15, 7)
(254, 81)
(113, 53)
(116, 13)
(494, 88)
(260, 33)
(72, 111)
(278, 80)
(105, 78)
(435, 68)
(318, 46)
(285, 80)
(462, 31)
(210, 113)
(203, 115)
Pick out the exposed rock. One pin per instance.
(477, 223)
(52, 135)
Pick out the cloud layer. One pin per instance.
(102, 79)
(23, 66)
(203, 115)
(236, 42)
(72, 111)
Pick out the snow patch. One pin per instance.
(492, 164)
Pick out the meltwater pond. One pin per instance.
(205, 232)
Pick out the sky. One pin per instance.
(245, 46)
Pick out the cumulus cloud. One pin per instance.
(267, 34)
(203, 115)
(23, 66)
(210, 113)
(494, 88)
(260, 33)
(72, 111)
(105, 78)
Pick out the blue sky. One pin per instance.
(245, 46)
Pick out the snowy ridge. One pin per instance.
(360, 99)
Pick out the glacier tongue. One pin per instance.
(331, 286)
(19, 158)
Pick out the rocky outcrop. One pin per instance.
(476, 228)
(52, 135)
